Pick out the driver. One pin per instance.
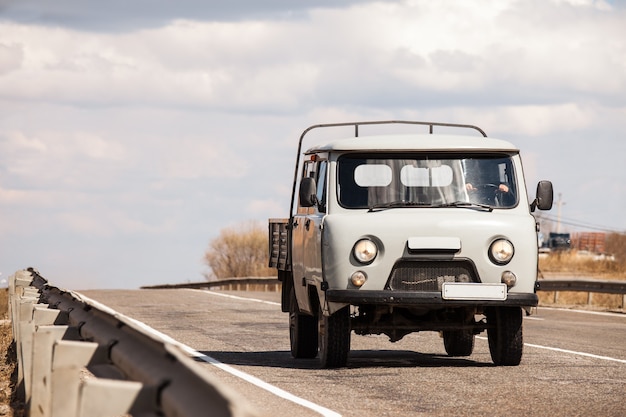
(484, 183)
(502, 187)
(491, 194)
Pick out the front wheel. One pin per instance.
(458, 342)
(504, 334)
(334, 338)
(302, 331)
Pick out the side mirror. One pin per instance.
(308, 192)
(544, 198)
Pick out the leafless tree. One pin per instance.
(616, 245)
(239, 252)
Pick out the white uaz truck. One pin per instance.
(394, 234)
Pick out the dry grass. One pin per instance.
(576, 264)
(4, 304)
(9, 405)
(581, 299)
(571, 264)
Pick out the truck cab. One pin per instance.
(394, 234)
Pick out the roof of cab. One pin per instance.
(416, 142)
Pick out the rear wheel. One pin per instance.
(302, 331)
(286, 288)
(505, 337)
(334, 338)
(458, 342)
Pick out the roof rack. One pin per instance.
(356, 134)
(387, 122)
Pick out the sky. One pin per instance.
(132, 131)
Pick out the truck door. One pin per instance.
(313, 229)
(306, 237)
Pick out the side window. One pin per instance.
(308, 170)
(505, 171)
(318, 171)
(321, 185)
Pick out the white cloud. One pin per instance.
(52, 159)
(536, 120)
(19, 141)
(197, 158)
(269, 66)
(11, 56)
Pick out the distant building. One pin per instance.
(589, 241)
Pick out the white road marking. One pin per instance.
(597, 313)
(252, 379)
(235, 372)
(236, 297)
(263, 385)
(239, 374)
(571, 352)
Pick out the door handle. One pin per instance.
(307, 223)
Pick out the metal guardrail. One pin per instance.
(76, 358)
(235, 284)
(606, 287)
(273, 284)
(589, 286)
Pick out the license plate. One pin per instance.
(473, 291)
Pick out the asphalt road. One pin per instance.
(574, 362)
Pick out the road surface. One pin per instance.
(574, 362)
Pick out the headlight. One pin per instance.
(501, 251)
(365, 251)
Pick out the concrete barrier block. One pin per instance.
(69, 359)
(107, 398)
(24, 358)
(43, 342)
(43, 316)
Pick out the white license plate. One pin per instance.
(473, 291)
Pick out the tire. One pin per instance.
(285, 293)
(505, 335)
(334, 338)
(302, 331)
(458, 342)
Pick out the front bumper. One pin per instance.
(423, 299)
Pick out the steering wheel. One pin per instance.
(491, 192)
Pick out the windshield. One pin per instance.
(419, 180)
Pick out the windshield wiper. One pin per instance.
(466, 204)
(396, 204)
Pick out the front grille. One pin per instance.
(429, 275)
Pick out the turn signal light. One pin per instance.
(509, 279)
(358, 279)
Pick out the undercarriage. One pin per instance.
(397, 322)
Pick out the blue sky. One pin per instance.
(132, 132)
